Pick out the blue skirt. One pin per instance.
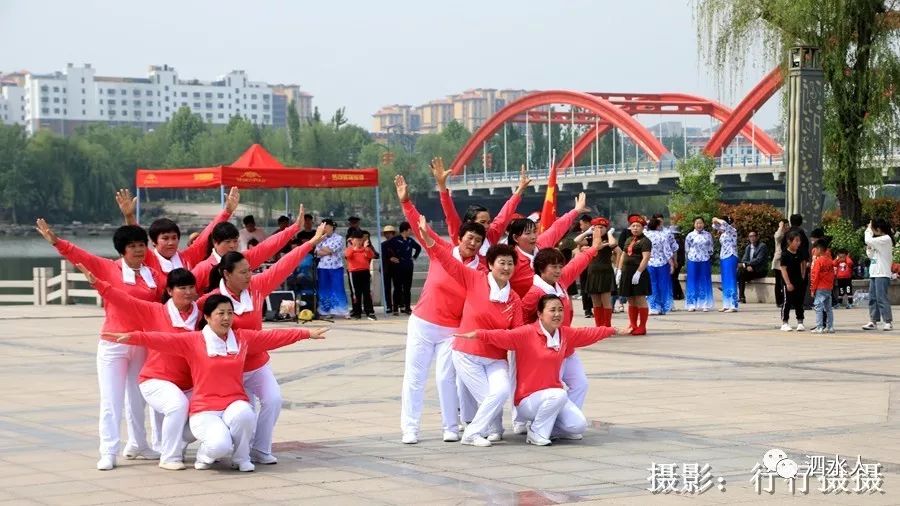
(698, 293)
(729, 282)
(332, 297)
(660, 298)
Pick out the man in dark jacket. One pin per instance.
(407, 250)
(388, 262)
(753, 263)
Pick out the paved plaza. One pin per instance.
(717, 389)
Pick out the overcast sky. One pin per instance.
(366, 54)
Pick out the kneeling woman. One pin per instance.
(220, 414)
(540, 350)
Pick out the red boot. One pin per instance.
(598, 317)
(641, 329)
(632, 319)
(607, 313)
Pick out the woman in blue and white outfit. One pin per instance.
(728, 262)
(698, 248)
(332, 299)
(660, 267)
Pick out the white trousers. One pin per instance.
(118, 366)
(262, 385)
(576, 381)
(170, 407)
(425, 342)
(488, 381)
(551, 412)
(223, 433)
(467, 404)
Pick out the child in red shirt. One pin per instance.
(821, 282)
(359, 256)
(843, 273)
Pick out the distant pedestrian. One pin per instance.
(821, 282)
(793, 265)
(879, 246)
(752, 264)
(776, 261)
(407, 251)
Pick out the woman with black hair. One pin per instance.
(879, 247)
(247, 293)
(165, 379)
(477, 213)
(698, 248)
(660, 267)
(728, 263)
(220, 414)
(117, 365)
(633, 279)
(540, 350)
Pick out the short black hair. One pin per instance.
(658, 216)
(283, 219)
(547, 257)
(475, 228)
(249, 220)
(307, 216)
(585, 218)
(654, 223)
(519, 226)
(127, 234)
(820, 244)
(213, 301)
(354, 233)
(545, 299)
(227, 264)
(224, 231)
(253, 242)
(178, 277)
(163, 226)
(701, 218)
(472, 212)
(404, 226)
(501, 250)
(329, 222)
(817, 233)
(790, 236)
(796, 220)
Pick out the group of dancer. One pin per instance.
(200, 363)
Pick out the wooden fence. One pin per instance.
(44, 288)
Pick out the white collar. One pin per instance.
(178, 321)
(217, 256)
(552, 340)
(498, 294)
(545, 286)
(216, 347)
(129, 278)
(471, 264)
(484, 247)
(244, 305)
(530, 256)
(168, 264)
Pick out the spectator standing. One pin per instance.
(821, 282)
(389, 261)
(407, 250)
(752, 263)
(793, 265)
(843, 272)
(330, 274)
(307, 231)
(250, 231)
(879, 246)
(359, 257)
(776, 261)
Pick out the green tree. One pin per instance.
(293, 123)
(13, 179)
(858, 44)
(184, 127)
(697, 193)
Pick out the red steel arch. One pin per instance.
(598, 105)
(760, 93)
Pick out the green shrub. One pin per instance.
(697, 193)
(845, 236)
(760, 218)
(884, 207)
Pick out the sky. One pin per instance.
(365, 54)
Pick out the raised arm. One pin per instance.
(581, 337)
(505, 339)
(411, 213)
(272, 245)
(274, 276)
(177, 343)
(101, 267)
(137, 313)
(498, 226)
(450, 215)
(576, 266)
(259, 341)
(550, 237)
(196, 252)
(127, 204)
(443, 254)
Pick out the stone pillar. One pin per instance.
(804, 185)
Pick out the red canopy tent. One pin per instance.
(257, 168)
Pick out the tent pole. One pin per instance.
(222, 195)
(287, 209)
(137, 207)
(378, 234)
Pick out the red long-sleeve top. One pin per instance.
(523, 277)
(479, 312)
(821, 274)
(537, 366)
(442, 298)
(358, 259)
(117, 318)
(193, 254)
(569, 274)
(255, 256)
(150, 317)
(494, 231)
(844, 270)
(218, 381)
(261, 285)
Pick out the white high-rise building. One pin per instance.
(64, 101)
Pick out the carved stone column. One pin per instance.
(804, 185)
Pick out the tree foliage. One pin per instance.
(861, 67)
(697, 193)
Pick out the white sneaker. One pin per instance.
(132, 453)
(495, 437)
(800, 327)
(172, 466)
(244, 467)
(706, 310)
(829, 330)
(450, 436)
(262, 457)
(618, 308)
(106, 463)
(519, 428)
(653, 312)
(476, 441)
(870, 326)
(201, 466)
(409, 438)
(536, 439)
(568, 437)
(731, 310)
(786, 328)
(817, 330)
(888, 326)
(691, 309)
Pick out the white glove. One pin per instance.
(894, 276)
(618, 277)
(611, 231)
(636, 278)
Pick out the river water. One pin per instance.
(18, 255)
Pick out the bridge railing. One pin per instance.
(650, 167)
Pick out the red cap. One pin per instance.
(636, 218)
(600, 222)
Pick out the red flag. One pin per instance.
(548, 212)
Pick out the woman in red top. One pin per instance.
(220, 414)
(118, 365)
(540, 350)
(165, 379)
(490, 303)
(523, 235)
(555, 279)
(247, 292)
